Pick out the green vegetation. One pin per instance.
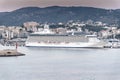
(93, 28)
(58, 14)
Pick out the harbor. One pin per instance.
(68, 39)
(59, 39)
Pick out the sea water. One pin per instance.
(61, 64)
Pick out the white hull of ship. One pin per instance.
(66, 45)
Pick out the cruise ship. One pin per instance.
(49, 39)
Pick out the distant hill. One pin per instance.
(56, 14)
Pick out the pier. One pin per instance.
(10, 52)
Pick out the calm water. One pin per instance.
(62, 64)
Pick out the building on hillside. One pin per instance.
(31, 26)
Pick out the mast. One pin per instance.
(16, 46)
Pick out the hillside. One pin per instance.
(56, 14)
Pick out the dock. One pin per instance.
(10, 53)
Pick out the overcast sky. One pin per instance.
(9, 5)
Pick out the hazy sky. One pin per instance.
(9, 5)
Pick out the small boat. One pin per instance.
(112, 43)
